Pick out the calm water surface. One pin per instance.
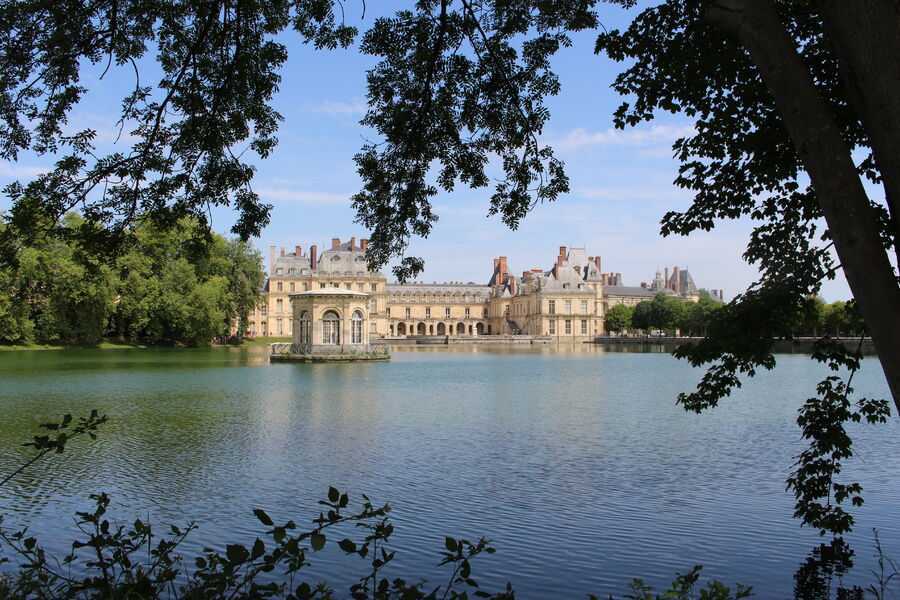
(574, 461)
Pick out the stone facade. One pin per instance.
(567, 302)
(330, 319)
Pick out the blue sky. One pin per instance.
(620, 180)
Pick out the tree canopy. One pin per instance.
(788, 94)
(784, 96)
(166, 288)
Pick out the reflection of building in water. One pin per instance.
(567, 301)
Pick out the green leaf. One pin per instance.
(347, 546)
(303, 592)
(333, 494)
(236, 553)
(259, 548)
(263, 517)
(317, 540)
(278, 534)
(450, 544)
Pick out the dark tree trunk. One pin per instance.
(839, 190)
(866, 40)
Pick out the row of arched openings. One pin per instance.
(331, 328)
(439, 329)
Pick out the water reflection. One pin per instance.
(579, 449)
(823, 572)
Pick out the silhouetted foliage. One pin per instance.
(134, 561)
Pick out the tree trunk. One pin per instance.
(839, 190)
(866, 40)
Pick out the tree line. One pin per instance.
(815, 317)
(169, 285)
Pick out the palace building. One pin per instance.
(567, 301)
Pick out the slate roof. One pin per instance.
(628, 290)
(439, 288)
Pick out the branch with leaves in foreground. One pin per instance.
(60, 435)
(126, 561)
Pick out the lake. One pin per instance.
(574, 461)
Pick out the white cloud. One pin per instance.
(15, 171)
(287, 195)
(657, 135)
(340, 109)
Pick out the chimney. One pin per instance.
(502, 268)
(604, 279)
(364, 244)
(512, 286)
(677, 274)
(537, 270)
(271, 260)
(282, 250)
(555, 269)
(666, 280)
(335, 242)
(353, 243)
(312, 256)
(597, 262)
(496, 272)
(298, 251)
(644, 284)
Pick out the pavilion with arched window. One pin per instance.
(330, 324)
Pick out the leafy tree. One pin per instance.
(779, 91)
(812, 319)
(776, 88)
(666, 312)
(640, 316)
(835, 319)
(164, 288)
(175, 290)
(245, 279)
(56, 292)
(618, 317)
(218, 62)
(725, 63)
(793, 91)
(697, 315)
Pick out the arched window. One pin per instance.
(356, 328)
(331, 328)
(304, 329)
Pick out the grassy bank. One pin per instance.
(265, 341)
(116, 344)
(110, 343)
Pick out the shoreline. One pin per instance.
(668, 343)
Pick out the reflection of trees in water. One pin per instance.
(820, 576)
(815, 576)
